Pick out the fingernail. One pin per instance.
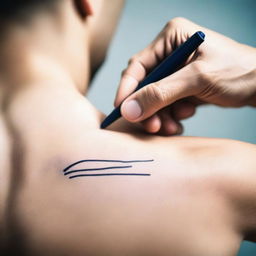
(131, 110)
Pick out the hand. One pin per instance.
(221, 72)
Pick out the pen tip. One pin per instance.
(103, 125)
(113, 116)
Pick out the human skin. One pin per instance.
(198, 200)
(224, 76)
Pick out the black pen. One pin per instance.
(168, 66)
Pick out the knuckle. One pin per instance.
(201, 70)
(177, 21)
(133, 59)
(156, 94)
(136, 61)
(124, 72)
(198, 67)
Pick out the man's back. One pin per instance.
(69, 188)
(164, 200)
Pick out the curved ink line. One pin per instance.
(107, 161)
(110, 174)
(98, 169)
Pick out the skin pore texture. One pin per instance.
(198, 199)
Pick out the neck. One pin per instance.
(52, 47)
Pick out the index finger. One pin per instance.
(138, 67)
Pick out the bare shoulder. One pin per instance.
(95, 192)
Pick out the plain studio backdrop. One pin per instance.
(141, 22)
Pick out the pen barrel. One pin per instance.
(174, 62)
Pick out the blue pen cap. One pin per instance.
(201, 34)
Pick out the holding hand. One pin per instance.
(221, 72)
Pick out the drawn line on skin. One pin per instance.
(107, 161)
(110, 174)
(98, 169)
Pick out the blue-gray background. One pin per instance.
(142, 20)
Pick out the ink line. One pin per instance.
(98, 169)
(107, 161)
(110, 174)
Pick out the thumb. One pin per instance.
(153, 97)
